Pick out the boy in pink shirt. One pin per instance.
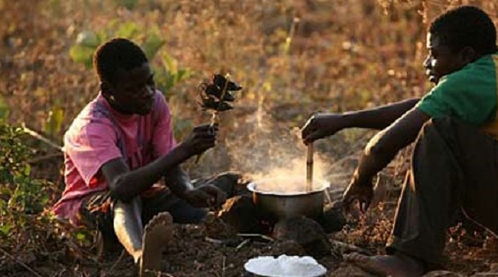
(118, 150)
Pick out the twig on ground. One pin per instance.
(158, 273)
(350, 247)
(20, 263)
(215, 241)
(242, 244)
(117, 262)
(223, 266)
(248, 235)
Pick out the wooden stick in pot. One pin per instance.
(309, 168)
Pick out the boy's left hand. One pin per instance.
(205, 196)
(362, 193)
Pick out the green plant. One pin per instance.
(22, 198)
(4, 109)
(167, 72)
(53, 123)
(128, 4)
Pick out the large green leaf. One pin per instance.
(5, 229)
(88, 39)
(169, 62)
(82, 54)
(127, 30)
(129, 4)
(183, 74)
(152, 44)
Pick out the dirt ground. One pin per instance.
(204, 250)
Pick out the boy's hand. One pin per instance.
(200, 139)
(205, 196)
(321, 125)
(360, 192)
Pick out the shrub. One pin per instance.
(22, 198)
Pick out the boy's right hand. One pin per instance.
(200, 139)
(321, 125)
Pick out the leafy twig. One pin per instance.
(214, 96)
(223, 92)
(45, 157)
(38, 136)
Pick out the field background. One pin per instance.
(293, 58)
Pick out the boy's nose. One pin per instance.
(427, 62)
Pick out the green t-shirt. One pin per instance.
(468, 94)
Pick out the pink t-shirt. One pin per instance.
(100, 134)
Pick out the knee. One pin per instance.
(441, 125)
(133, 206)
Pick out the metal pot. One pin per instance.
(281, 206)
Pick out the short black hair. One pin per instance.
(466, 26)
(117, 53)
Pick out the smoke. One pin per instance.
(272, 154)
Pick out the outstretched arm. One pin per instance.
(125, 184)
(327, 124)
(380, 150)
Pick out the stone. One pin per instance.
(350, 271)
(241, 214)
(493, 267)
(305, 231)
(332, 219)
(287, 247)
(216, 228)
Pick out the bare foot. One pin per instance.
(157, 233)
(389, 265)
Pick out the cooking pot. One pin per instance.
(281, 205)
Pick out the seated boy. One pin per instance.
(454, 162)
(117, 151)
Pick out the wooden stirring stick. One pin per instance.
(309, 168)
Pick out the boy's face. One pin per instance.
(441, 60)
(132, 92)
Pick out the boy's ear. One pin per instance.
(105, 88)
(468, 54)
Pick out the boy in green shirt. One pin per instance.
(454, 162)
